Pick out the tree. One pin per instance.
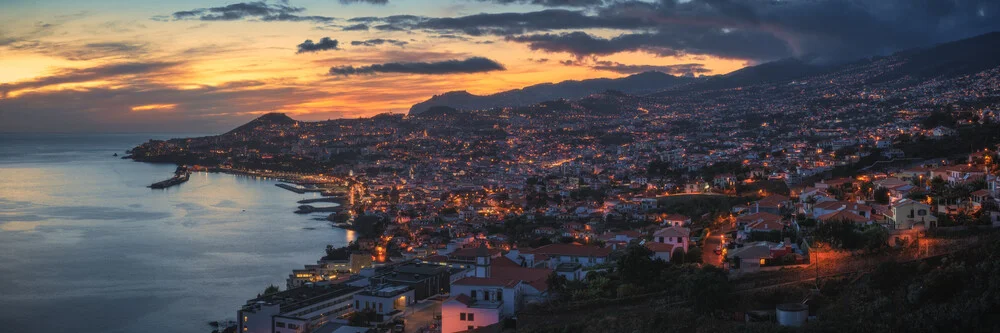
(271, 289)
(693, 256)
(677, 257)
(361, 318)
(637, 265)
(938, 184)
(557, 284)
(882, 196)
(939, 118)
(708, 289)
(875, 237)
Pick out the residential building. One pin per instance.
(296, 310)
(907, 214)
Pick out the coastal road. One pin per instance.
(421, 315)
(708, 256)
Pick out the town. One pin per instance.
(523, 217)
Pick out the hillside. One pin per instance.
(267, 120)
(642, 83)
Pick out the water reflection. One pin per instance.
(82, 237)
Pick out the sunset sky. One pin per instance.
(208, 66)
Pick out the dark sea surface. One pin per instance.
(86, 247)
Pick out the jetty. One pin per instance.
(296, 189)
(181, 175)
(307, 209)
(336, 200)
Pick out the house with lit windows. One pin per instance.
(907, 214)
(387, 302)
(495, 290)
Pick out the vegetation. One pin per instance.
(957, 293)
(847, 235)
(638, 273)
(271, 289)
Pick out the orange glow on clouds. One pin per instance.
(154, 107)
(230, 64)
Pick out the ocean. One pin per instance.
(86, 247)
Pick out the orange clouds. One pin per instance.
(153, 107)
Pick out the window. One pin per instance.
(380, 307)
(357, 304)
(922, 212)
(472, 294)
(279, 324)
(461, 316)
(472, 317)
(293, 326)
(500, 296)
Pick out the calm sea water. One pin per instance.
(86, 247)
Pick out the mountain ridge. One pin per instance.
(641, 83)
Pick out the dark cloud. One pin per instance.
(356, 27)
(370, 2)
(258, 10)
(679, 69)
(379, 41)
(726, 44)
(117, 47)
(757, 30)
(136, 70)
(549, 3)
(4, 41)
(546, 3)
(390, 27)
(364, 19)
(470, 65)
(452, 36)
(578, 43)
(834, 29)
(503, 24)
(325, 44)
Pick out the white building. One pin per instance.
(296, 310)
(388, 302)
(495, 291)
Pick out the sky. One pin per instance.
(208, 65)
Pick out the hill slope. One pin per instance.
(273, 118)
(641, 83)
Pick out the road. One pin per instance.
(421, 315)
(708, 256)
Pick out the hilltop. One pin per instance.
(267, 120)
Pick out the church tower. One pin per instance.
(483, 261)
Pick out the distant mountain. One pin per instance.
(642, 83)
(267, 120)
(775, 71)
(961, 57)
